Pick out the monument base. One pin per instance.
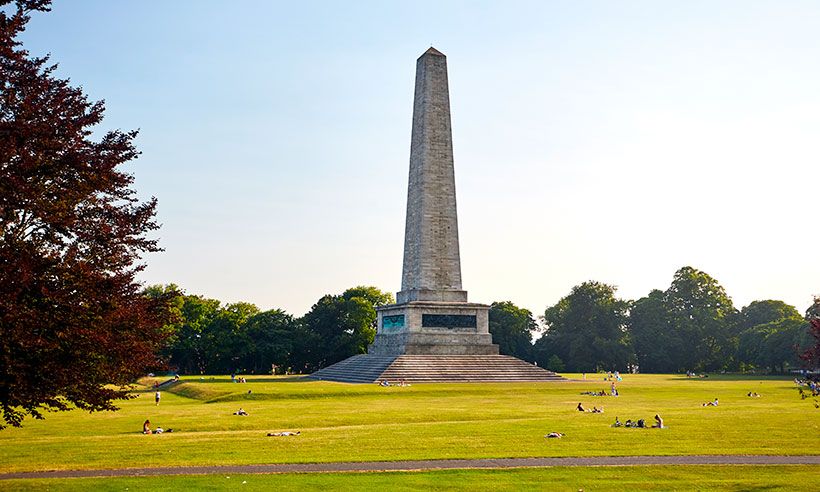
(433, 344)
(433, 328)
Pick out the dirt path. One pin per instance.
(367, 466)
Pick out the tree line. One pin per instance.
(209, 337)
(692, 325)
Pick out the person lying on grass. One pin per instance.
(711, 403)
(556, 435)
(241, 412)
(284, 433)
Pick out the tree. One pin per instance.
(658, 348)
(226, 341)
(811, 356)
(813, 312)
(73, 320)
(512, 328)
(188, 345)
(769, 332)
(341, 326)
(700, 314)
(272, 334)
(587, 330)
(762, 312)
(773, 345)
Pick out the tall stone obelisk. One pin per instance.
(432, 333)
(432, 266)
(432, 315)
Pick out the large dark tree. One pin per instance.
(701, 315)
(339, 327)
(811, 357)
(512, 328)
(75, 327)
(813, 312)
(272, 335)
(587, 330)
(658, 348)
(762, 312)
(769, 331)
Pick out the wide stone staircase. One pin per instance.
(363, 368)
(434, 368)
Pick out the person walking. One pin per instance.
(157, 396)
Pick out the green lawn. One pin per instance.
(343, 422)
(666, 478)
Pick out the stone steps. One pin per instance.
(434, 368)
(357, 369)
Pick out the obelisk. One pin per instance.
(432, 266)
(431, 314)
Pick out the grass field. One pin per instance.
(343, 422)
(666, 478)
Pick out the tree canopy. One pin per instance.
(210, 337)
(73, 320)
(512, 328)
(587, 330)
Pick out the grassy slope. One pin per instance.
(666, 478)
(341, 422)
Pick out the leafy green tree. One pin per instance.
(658, 348)
(762, 312)
(272, 336)
(225, 338)
(189, 347)
(774, 345)
(770, 333)
(587, 330)
(701, 315)
(555, 364)
(342, 325)
(512, 328)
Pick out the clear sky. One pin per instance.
(594, 140)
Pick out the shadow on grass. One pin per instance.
(733, 377)
(252, 379)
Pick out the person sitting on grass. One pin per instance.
(617, 422)
(629, 423)
(597, 410)
(711, 403)
(241, 412)
(580, 407)
(284, 433)
(146, 427)
(556, 435)
(658, 422)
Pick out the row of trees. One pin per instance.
(208, 337)
(692, 325)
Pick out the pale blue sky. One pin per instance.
(594, 140)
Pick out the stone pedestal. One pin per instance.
(433, 328)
